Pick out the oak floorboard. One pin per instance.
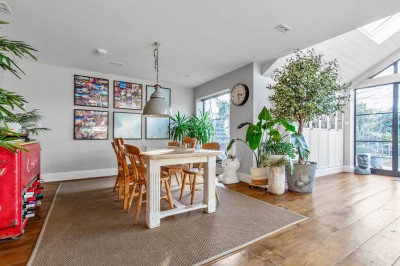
(353, 220)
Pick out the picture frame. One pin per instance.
(128, 95)
(91, 91)
(166, 92)
(127, 125)
(90, 124)
(157, 128)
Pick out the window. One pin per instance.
(382, 29)
(219, 108)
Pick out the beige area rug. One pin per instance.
(87, 226)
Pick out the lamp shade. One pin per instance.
(157, 106)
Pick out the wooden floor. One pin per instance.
(353, 220)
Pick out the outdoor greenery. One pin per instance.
(9, 101)
(306, 88)
(267, 128)
(196, 126)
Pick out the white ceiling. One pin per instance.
(354, 51)
(202, 39)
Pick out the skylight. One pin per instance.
(382, 29)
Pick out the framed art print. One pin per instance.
(127, 95)
(127, 125)
(157, 128)
(164, 91)
(90, 91)
(90, 124)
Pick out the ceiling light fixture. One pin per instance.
(116, 63)
(101, 51)
(157, 106)
(283, 28)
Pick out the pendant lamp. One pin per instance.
(157, 106)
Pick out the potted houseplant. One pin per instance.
(9, 101)
(201, 127)
(29, 122)
(179, 127)
(306, 87)
(276, 176)
(257, 134)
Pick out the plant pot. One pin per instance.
(276, 180)
(302, 179)
(376, 162)
(258, 172)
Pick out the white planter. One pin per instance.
(258, 172)
(276, 180)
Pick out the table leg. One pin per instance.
(209, 184)
(153, 194)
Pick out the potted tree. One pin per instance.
(258, 134)
(179, 127)
(306, 88)
(9, 101)
(201, 127)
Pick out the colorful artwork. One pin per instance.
(157, 128)
(127, 125)
(91, 91)
(164, 91)
(127, 95)
(90, 124)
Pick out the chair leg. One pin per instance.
(116, 183)
(190, 182)
(216, 195)
(170, 177)
(193, 189)
(131, 197)
(176, 177)
(120, 185)
(138, 205)
(183, 185)
(171, 204)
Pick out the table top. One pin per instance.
(173, 152)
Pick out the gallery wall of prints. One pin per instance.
(128, 97)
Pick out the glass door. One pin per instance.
(376, 124)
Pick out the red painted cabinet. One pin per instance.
(20, 191)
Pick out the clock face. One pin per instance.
(239, 94)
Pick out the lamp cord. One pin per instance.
(156, 59)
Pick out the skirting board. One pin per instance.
(62, 176)
(320, 172)
(348, 168)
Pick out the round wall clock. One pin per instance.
(239, 94)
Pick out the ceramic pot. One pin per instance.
(276, 180)
(302, 179)
(258, 172)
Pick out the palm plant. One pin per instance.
(9, 101)
(201, 127)
(179, 127)
(28, 121)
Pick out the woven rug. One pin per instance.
(87, 226)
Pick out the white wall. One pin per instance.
(238, 114)
(51, 89)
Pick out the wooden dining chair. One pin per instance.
(174, 144)
(133, 154)
(118, 146)
(177, 168)
(193, 172)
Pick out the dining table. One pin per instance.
(155, 157)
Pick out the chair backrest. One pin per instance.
(118, 156)
(211, 146)
(189, 142)
(133, 154)
(174, 144)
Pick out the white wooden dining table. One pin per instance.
(157, 157)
